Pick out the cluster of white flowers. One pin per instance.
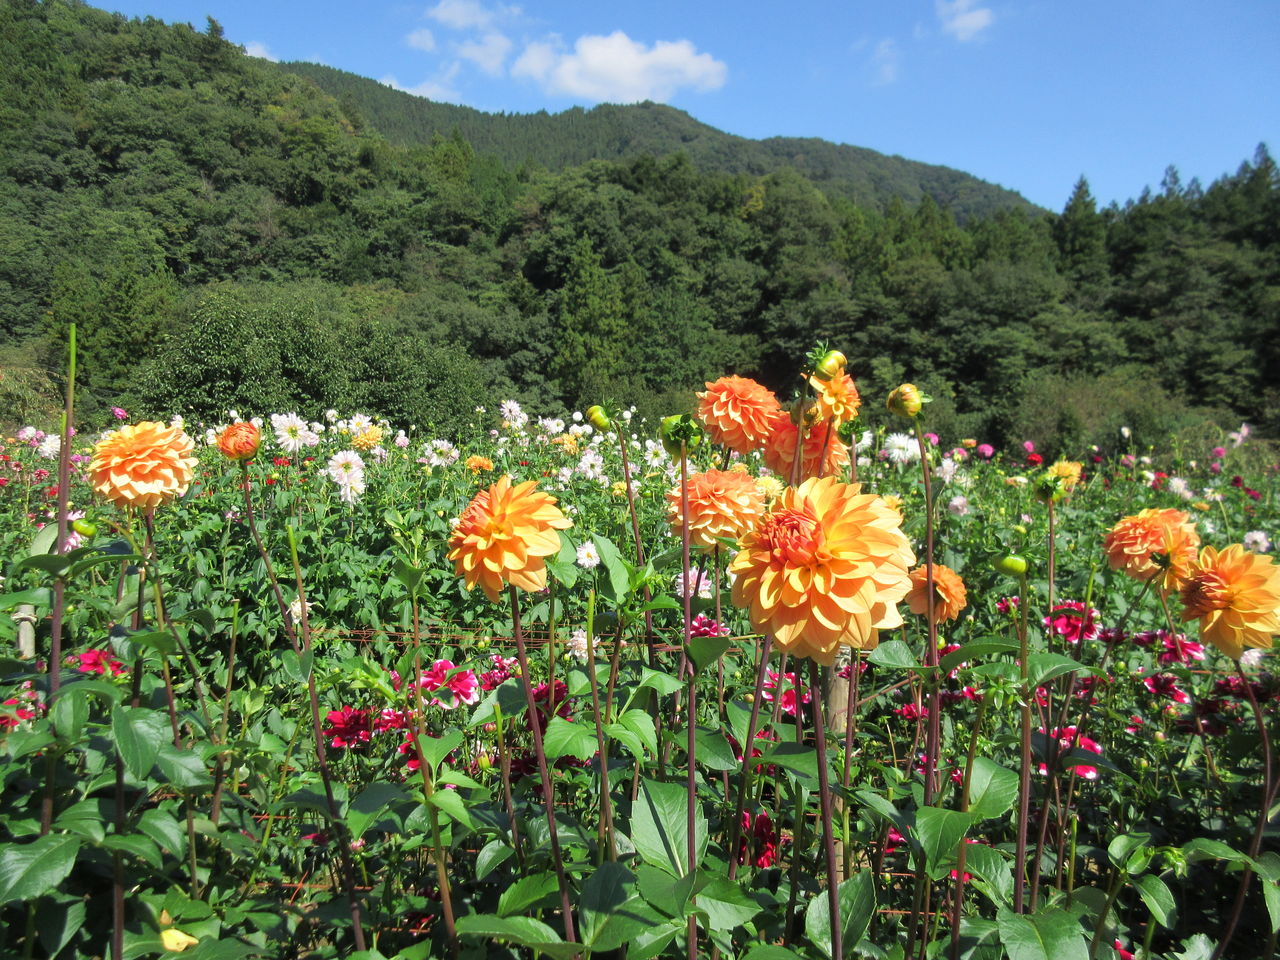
(591, 465)
(577, 644)
(440, 453)
(1180, 488)
(346, 469)
(293, 433)
(50, 446)
(901, 448)
(946, 470)
(958, 506)
(1257, 541)
(1238, 437)
(551, 427)
(655, 454)
(513, 414)
(699, 581)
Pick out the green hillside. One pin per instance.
(612, 132)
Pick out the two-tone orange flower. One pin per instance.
(505, 535)
(368, 438)
(824, 451)
(738, 413)
(722, 503)
(142, 465)
(824, 568)
(240, 441)
(949, 594)
(1235, 595)
(1154, 541)
(837, 398)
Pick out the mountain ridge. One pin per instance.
(578, 135)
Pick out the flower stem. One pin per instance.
(1024, 773)
(545, 776)
(744, 779)
(602, 745)
(824, 796)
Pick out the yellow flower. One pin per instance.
(566, 442)
(824, 568)
(770, 488)
(893, 502)
(721, 504)
(176, 941)
(505, 535)
(367, 439)
(837, 397)
(1069, 471)
(737, 413)
(619, 488)
(949, 594)
(142, 465)
(1236, 596)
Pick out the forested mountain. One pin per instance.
(612, 132)
(224, 233)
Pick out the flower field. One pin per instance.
(762, 681)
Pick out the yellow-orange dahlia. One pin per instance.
(1068, 471)
(505, 535)
(949, 594)
(239, 441)
(142, 465)
(837, 398)
(722, 503)
(738, 413)
(478, 464)
(1133, 542)
(824, 568)
(368, 438)
(1235, 594)
(780, 449)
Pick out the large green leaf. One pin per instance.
(139, 734)
(522, 930)
(618, 569)
(369, 805)
(1156, 895)
(526, 892)
(857, 899)
(1048, 934)
(31, 870)
(563, 737)
(659, 827)
(940, 832)
(992, 789)
(894, 654)
(610, 912)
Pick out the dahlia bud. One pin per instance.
(1012, 565)
(830, 366)
(1049, 487)
(677, 429)
(906, 400)
(239, 441)
(598, 418)
(84, 527)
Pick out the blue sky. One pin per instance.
(1029, 94)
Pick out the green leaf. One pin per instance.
(659, 827)
(449, 802)
(31, 870)
(433, 750)
(664, 683)
(563, 566)
(366, 808)
(70, 711)
(38, 597)
(970, 653)
(563, 737)
(792, 756)
(993, 867)
(492, 854)
(704, 651)
(663, 891)
(144, 848)
(1271, 895)
(1203, 848)
(526, 892)
(772, 952)
(183, 769)
(138, 734)
(940, 832)
(1122, 846)
(992, 789)
(297, 666)
(857, 899)
(618, 569)
(408, 574)
(726, 905)
(894, 654)
(1048, 934)
(1043, 667)
(610, 913)
(58, 923)
(1155, 894)
(714, 751)
(522, 930)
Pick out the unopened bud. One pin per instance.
(906, 400)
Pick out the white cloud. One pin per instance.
(439, 87)
(489, 53)
(469, 14)
(885, 62)
(256, 49)
(421, 40)
(962, 21)
(619, 69)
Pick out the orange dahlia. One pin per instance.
(505, 535)
(949, 595)
(1236, 596)
(722, 503)
(368, 438)
(737, 413)
(780, 449)
(1134, 541)
(837, 397)
(142, 465)
(239, 441)
(824, 567)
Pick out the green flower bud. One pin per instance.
(598, 418)
(677, 429)
(1012, 565)
(830, 366)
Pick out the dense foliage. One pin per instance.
(156, 182)
(162, 787)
